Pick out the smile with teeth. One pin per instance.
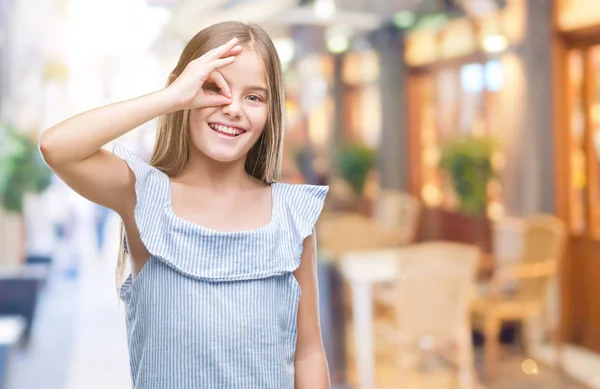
(225, 130)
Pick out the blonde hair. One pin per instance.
(172, 148)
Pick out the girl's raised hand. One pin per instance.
(188, 89)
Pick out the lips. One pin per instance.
(226, 130)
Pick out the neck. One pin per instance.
(214, 174)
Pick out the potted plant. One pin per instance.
(22, 171)
(355, 162)
(467, 161)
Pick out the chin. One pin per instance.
(219, 152)
(224, 157)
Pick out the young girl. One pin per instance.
(223, 290)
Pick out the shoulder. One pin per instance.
(151, 184)
(302, 204)
(142, 170)
(135, 162)
(299, 193)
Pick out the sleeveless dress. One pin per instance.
(213, 309)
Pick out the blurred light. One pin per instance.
(10, 329)
(318, 123)
(431, 156)
(498, 161)
(338, 44)
(494, 75)
(495, 43)
(162, 3)
(479, 8)
(324, 9)
(471, 77)
(292, 113)
(431, 195)
(495, 210)
(597, 144)
(404, 19)
(529, 367)
(318, 88)
(338, 39)
(285, 49)
(134, 26)
(431, 22)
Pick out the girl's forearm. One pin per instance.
(80, 136)
(311, 371)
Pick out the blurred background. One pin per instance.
(460, 242)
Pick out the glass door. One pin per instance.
(577, 153)
(584, 131)
(593, 138)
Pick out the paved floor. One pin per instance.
(79, 336)
(511, 376)
(517, 372)
(45, 363)
(440, 376)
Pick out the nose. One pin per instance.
(234, 109)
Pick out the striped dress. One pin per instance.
(213, 309)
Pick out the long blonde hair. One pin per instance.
(172, 148)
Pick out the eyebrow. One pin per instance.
(258, 88)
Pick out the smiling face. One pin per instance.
(227, 133)
(185, 135)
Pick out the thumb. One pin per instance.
(216, 100)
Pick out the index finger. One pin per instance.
(221, 50)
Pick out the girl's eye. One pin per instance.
(254, 98)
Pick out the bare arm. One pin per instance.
(73, 148)
(79, 137)
(311, 367)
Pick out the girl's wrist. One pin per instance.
(171, 100)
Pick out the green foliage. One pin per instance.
(355, 162)
(301, 157)
(22, 169)
(468, 163)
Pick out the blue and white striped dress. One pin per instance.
(214, 309)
